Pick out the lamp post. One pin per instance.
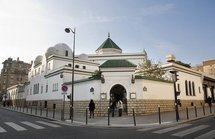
(71, 114)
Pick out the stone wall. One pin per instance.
(141, 107)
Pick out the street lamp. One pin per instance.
(71, 114)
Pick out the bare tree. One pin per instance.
(150, 69)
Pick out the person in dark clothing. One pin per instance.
(112, 107)
(209, 101)
(91, 108)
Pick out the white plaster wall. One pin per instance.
(155, 90)
(183, 76)
(82, 90)
(46, 95)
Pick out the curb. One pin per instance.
(83, 124)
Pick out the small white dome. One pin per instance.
(60, 49)
(83, 56)
(38, 60)
(170, 58)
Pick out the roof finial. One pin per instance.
(108, 34)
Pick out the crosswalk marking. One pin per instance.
(209, 135)
(171, 128)
(32, 125)
(15, 126)
(48, 124)
(2, 130)
(190, 131)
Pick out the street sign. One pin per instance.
(64, 88)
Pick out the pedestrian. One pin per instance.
(112, 107)
(120, 107)
(91, 108)
(209, 101)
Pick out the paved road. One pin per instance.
(199, 129)
(14, 125)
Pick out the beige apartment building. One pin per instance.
(13, 72)
(206, 67)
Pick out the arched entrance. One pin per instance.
(118, 92)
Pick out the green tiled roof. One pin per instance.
(117, 63)
(108, 43)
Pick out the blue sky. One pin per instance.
(185, 28)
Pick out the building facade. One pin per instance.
(109, 76)
(207, 67)
(13, 72)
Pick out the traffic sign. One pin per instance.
(64, 88)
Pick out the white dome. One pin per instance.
(170, 58)
(83, 56)
(60, 49)
(38, 60)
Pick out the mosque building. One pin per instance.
(110, 75)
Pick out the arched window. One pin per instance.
(190, 88)
(66, 54)
(193, 85)
(186, 88)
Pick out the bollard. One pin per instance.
(23, 109)
(62, 115)
(41, 111)
(187, 113)
(53, 113)
(20, 108)
(134, 117)
(159, 114)
(31, 110)
(108, 116)
(46, 112)
(203, 108)
(27, 110)
(36, 111)
(195, 111)
(86, 116)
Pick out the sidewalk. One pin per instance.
(124, 121)
(146, 120)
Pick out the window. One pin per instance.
(186, 88)
(49, 66)
(31, 91)
(190, 88)
(55, 87)
(69, 65)
(199, 90)
(84, 67)
(46, 88)
(41, 89)
(76, 66)
(193, 85)
(178, 87)
(36, 88)
(66, 54)
(42, 68)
